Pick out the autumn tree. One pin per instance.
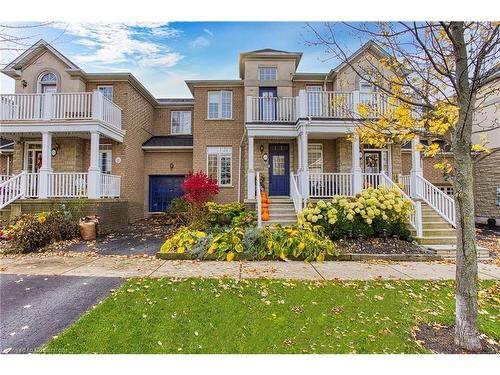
(436, 77)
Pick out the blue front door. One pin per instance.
(268, 101)
(162, 189)
(279, 169)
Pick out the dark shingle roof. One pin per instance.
(169, 141)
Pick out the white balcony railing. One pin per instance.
(110, 186)
(60, 106)
(315, 104)
(68, 184)
(322, 185)
(277, 109)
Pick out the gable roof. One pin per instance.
(268, 53)
(12, 69)
(368, 46)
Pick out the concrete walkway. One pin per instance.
(106, 266)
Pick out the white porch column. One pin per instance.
(416, 168)
(305, 166)
(94, 178)
(356, 168)
(251, 171)
(46, 168)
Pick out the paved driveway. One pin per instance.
(35, 308)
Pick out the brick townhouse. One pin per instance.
(105, 139)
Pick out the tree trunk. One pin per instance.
(466, 332)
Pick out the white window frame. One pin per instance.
(41, 83)
(106, 148)
(322, 154)
(364, 81)
(222, 152)
(99, 87)
(267, 76)
(219, 105)
(181, 115)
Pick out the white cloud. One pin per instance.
(208, 31)
(121, 42)
(200, 41)
(166, 60)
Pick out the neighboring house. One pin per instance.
(105, 137)
(487, 166)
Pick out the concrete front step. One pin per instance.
(440, 232)
(438, 240)
(449, 251)
(436, 225)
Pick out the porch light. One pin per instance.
(24, 83)
(171, 165)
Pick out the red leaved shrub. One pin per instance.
(198, 188)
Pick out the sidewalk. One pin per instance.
(105, 266)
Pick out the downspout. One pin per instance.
(239, 164)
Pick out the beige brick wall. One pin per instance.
(486, 183)
(162, 119)
(343, 155)
(221, 133)
(430, 173)
(137, 121)
(6, 164)
(158, 163)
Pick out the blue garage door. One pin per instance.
(162, 189)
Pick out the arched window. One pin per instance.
(47, 82)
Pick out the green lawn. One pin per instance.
(267, 316)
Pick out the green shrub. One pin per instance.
(182, 241)
(253, 242)
(371, 213)
(245, 219)
(200, 248)
(307, 242)
(177, 206)
(223, 214)
(32, 232)
(227, 244)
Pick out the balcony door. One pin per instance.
(268, 100)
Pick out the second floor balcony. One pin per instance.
(339, 105)
(64, 107)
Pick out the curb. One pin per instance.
(340, 257)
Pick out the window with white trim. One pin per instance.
(315, 157)
(219, 163)
(365, 86)
(220, 105)
(180, 122)
(107, 91)
(268, 73)
(105, 158)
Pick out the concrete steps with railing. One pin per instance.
(436, 230)
(281, 211)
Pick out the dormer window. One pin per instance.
(47, 82)
(268, 74)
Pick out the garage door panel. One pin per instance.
(162, 189)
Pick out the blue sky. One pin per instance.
(163, 55)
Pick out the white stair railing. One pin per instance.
(442, 203)
(415, 217)
(323, 185)
(11, 189)
(295, 193)
(405, 180)
(259, 200)
(4, 177)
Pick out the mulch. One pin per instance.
(439, 339)
(380, 246)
